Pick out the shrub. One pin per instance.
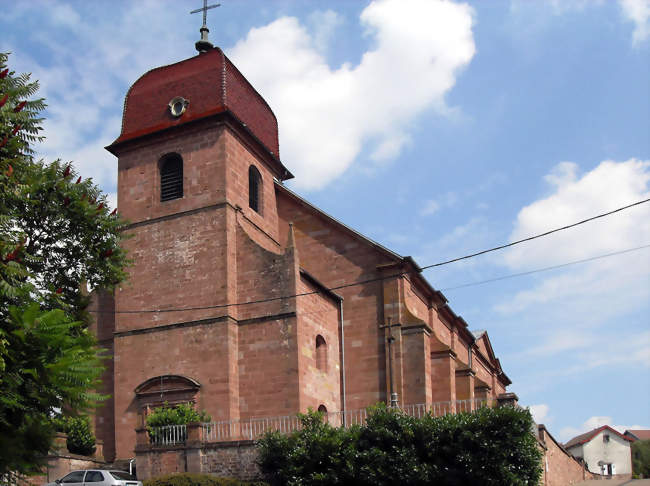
(187, 479)
(81, 439)
(486, 447)
(181, 414)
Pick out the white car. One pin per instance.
(96, 477)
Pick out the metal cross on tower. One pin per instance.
(204, 44)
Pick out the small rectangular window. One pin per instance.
(605, 438)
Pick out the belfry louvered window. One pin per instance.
(171, 177)
(254, 188)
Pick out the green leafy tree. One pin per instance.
(56, 234)
(641, 458)
(490, 447)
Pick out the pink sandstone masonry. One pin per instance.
(559, 468)
(60, 462)
(229, 307)
(225, 459)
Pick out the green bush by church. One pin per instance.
(486, 447)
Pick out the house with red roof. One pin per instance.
(604, 450)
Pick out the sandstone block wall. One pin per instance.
(153, 463)
(237, 460)
(319, 381)
(60, 462)
(558, 466)
(227, 459)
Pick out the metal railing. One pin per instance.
(168, 435)
(438, 409)
(248, 429)
(254, 428)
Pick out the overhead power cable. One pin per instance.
(376, 279)
(544, 269)
(472, 255)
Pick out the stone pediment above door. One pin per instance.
(171, 389)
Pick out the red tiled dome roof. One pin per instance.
(212, 84)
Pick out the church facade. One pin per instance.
(244, 298)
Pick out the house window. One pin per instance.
(605, 438)
(321, 353)
(171, 177)
(254, 188)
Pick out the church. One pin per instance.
(245, 299)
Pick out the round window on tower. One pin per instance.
(178, 105)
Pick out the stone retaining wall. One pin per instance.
(60, 462)
(235, 459)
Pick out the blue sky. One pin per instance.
(437, 129)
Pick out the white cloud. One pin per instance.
(85, 86)
(637, 11)
(608, 186)
(539, 412)
(622, 348)
(66, 15)
(566, 310)
(327, 115)
(562, 341)
(561, 6)
(324, 25)
(432, 206)
(567, 433)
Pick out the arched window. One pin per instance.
(323, 409)
(254, 189)
(171, 177)
(321, 353)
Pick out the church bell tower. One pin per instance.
(197, 158)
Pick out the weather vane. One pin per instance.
(204, 44)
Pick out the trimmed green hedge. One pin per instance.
(488, 447)
(187, 479)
